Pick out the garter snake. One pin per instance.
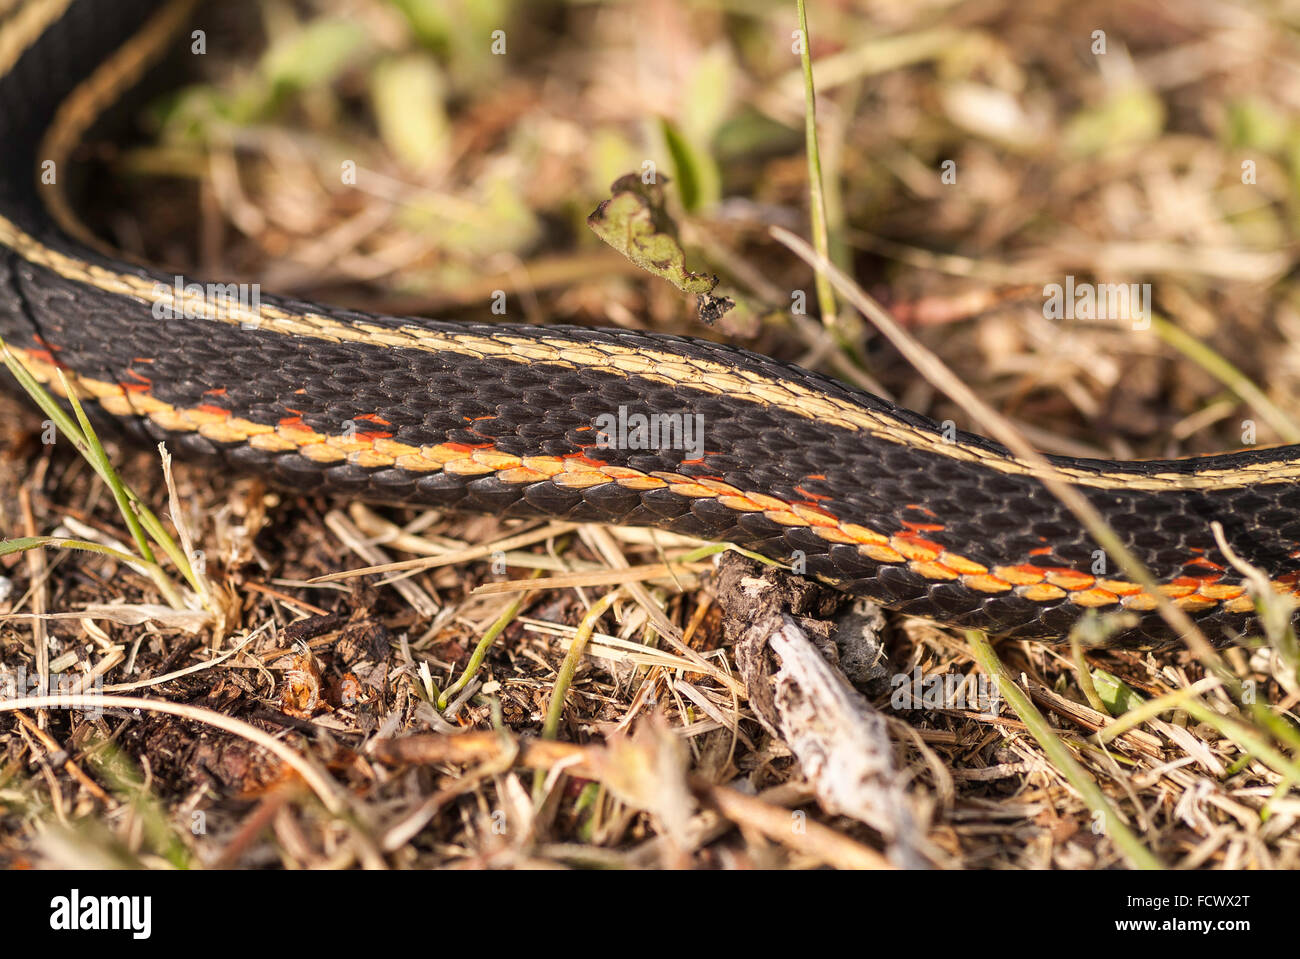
(560, 421)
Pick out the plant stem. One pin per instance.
(579, 645)
(816, 196)
(484, 644)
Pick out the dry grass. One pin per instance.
(1124, 168)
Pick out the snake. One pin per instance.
(590, 425)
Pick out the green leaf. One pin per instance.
(1254, 124)
(1118, 696)
(1127, 118)
(24, 543)
(698, 180)
(314, 56)
(710, 94)
(408, 93)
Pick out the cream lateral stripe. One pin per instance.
(32, 19)
(111, 79)
(659, 365)
(7, 7)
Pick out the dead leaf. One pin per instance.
(634, 222)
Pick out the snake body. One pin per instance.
(547, 421)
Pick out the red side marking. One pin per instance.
(698, 462)
(921, 509)
(46, 355)
(1041, 551)
(817, 476)
(373, 418)
(925, 527)
(294, 422)
(1067, 571)
(468, 447)
(584, 459)
(143, 379)
(915, 540)
(141, 359)
(1192, 581)
(1204, 561)
(1029, 569)
(209, 408)
(811, 497)
(135, 387)
(813, 507)
(370, 437)
(219, 391)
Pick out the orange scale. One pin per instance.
(369, 459)
(1221, 591)
(641, 484)
(622, 472)
(768, 502)
(718, 487)
(546, 465)
(447, 452)
(1195, 603)
(864, 535)
(784, 518)
(1040, 593)
(1092, 598)
(694, 490)
(1242, 604)
(814, 516)
(742, 504)
(986, 584)
(881, 554)
(960, 564)
(1070, 578)
(579, 479)
(466, 467)
(494, 460)
(833, 534)
(521, 474)
(321, 453)
(932, 570)
(1119, 587)
(1022, 575)
(920, 550)
(1142, 602)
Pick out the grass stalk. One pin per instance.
(816, 195)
